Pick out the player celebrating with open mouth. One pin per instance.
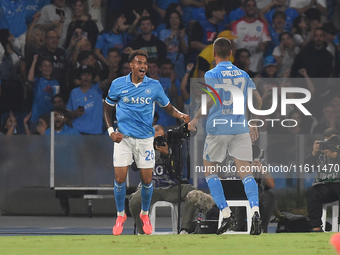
(134, 97)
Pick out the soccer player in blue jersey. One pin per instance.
(134, 97)
(234, 138)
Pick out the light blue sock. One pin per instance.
(216, 191)
(146, 192)
(251, 190)
(120, 193)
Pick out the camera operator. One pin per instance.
(325, 161)
(165, 185)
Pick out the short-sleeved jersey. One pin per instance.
(91, 122)
(249, 34)
(136, 105)
(15, 14)
(66, 130)
(236, 14)
(44, 90)
(227, 73)
(291, 14)
(105, 41)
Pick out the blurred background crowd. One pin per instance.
(64, 54)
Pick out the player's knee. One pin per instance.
(147, 180)
(120, 179)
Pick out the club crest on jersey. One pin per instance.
(148, 91)
(258, 28)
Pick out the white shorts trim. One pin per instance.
(238, 146)
(132, 149)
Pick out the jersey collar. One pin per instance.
(224, 63)
(128, 78)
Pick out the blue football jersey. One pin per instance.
(91, 122)
(66, 130)
(136, 105)
(221, 119)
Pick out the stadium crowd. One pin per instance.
(63, 55)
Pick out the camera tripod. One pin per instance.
(177, 156)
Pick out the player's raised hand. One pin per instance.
(117, 137)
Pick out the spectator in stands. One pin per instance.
(296, 126)
(328, 120)
(59, 102)
(187, 9)
(279, 5)
(279, 20)
(252, 34)
(238, 13)
(176, 41)
(14, 19)
(9, 125)
(82, 26)
(58, 57)
(301, 5)
(111, 71)
(330, 33)
(11, 83)
(167, 70)
(284, 54)
(33, 7)
(301, 31)
(160, 6)
(95, 11)
(44, 89)
(172, 7)
(56, 16)
(115, 35)
(76, 46)
(242, 59)
(43, 124)
(148, 42)
(314, 17)
(34, 41)
(125, 67)
(169, 89)
(206, 61)
(60, 126)
(270, 67)
(204, 33)
(199, 15)
(86, 58)
(86, 104)
(315, 58)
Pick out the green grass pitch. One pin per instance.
(269, 244)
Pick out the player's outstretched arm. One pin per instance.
(108, 113)
(257, 102)
(172, 111)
